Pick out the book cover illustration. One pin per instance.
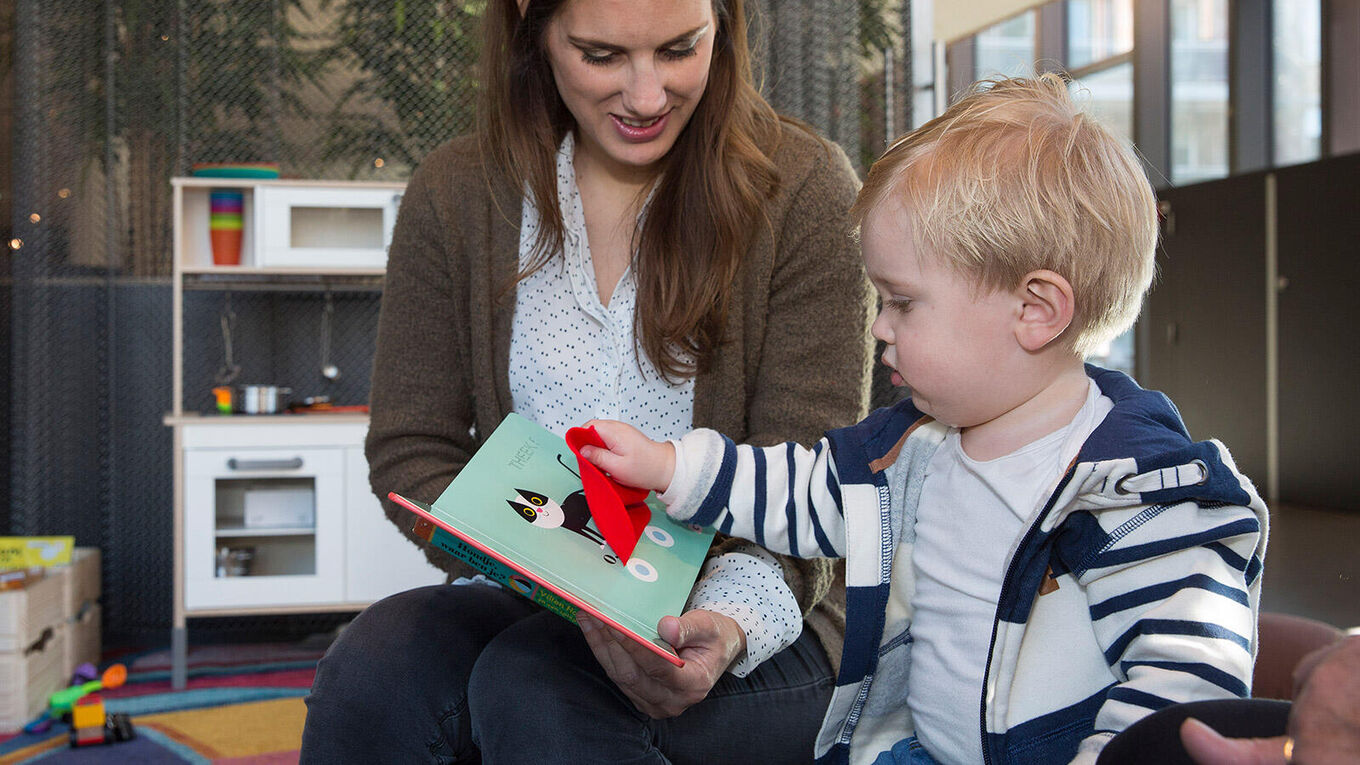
(517, 512)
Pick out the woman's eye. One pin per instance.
(675, 54)
(599, 58)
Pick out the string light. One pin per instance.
(15, 244)
(64, 193)
(34, 218)
(378, 162)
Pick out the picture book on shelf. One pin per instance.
(518, 513)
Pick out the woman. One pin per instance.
(632, 233)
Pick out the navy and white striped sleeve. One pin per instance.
(786, 497)
(1173, 602)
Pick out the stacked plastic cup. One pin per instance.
(224, 226)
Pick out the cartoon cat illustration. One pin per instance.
(572, 514)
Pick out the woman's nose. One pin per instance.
(645, 94)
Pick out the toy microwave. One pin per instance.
(324, 227)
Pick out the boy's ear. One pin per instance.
(1047, 305)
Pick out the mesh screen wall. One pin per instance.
(112, 98)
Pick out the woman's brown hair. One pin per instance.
(714, 184)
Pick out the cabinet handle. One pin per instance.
(41, 643)
(292, 464)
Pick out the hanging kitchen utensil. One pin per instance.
(230, 369)
(328, 370)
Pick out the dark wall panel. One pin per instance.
(1206, 315)
(139, 522)
(1319, 240)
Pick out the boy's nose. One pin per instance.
(880, 329)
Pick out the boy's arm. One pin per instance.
(785, 498)
(1173, 605)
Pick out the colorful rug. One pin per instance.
(242, 705)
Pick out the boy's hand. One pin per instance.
(630, 457)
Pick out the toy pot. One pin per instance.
(261, 399)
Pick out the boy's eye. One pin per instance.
(900, 305)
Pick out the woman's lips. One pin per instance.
(640, 134)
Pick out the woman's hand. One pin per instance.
(1324, 722)
(707, 641)
(631, 458)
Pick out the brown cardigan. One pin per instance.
(796, 361)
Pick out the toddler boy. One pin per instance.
(1037, 554)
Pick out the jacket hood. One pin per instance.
(1170, 467)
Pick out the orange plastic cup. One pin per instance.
(226, 247)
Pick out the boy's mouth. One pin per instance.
(896, 377)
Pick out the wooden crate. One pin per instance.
(29, 676)
(24, 614)
(80, 581)
(83, 638)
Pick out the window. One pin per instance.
(1007, 48)
(1097, 30)
(922, 63)
(1116, 354)
(1108, 94)
(1099, 56)
(1199, 90)
(1297, 45)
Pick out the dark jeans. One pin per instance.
(1157, 737)
(461, 673)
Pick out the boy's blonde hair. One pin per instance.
(1013, 178)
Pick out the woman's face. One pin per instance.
(631, 73)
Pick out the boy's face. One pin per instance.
(949, 343)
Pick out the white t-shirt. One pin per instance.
(969, 521)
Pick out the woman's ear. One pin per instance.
(1047, 306)
(523, 5)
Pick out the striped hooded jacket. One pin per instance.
(1135, 585)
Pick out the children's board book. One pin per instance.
(517, 512)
